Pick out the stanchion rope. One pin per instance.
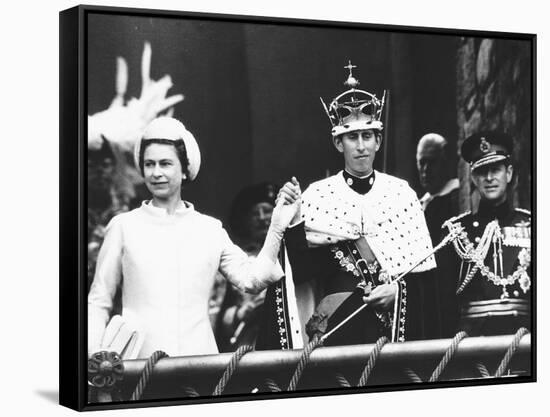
(373, 357)
(146, 374)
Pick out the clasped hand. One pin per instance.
(288, 205)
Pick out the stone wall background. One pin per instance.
(494, 92)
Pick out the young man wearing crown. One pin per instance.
(488, 264)
(354, 233)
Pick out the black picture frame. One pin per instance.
(75, 107)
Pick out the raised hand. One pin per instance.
(288, 205)
(124, 123)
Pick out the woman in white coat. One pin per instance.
(165, 254)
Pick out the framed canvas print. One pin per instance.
(260, 208)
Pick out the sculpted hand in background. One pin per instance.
(123, 123)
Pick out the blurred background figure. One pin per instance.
(250, 216)
(437, 172)
(106, 197)
(437, 167)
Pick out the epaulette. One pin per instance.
(455, 218)
(520, 210)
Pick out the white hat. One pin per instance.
(172, 129)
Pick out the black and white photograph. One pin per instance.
(259, 87)
(301, 206)
(282, 207)
(274, 208)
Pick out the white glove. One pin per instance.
(288, 209)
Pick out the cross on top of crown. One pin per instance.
(350, 67)
(351, 82)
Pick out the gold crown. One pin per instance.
(354, 109)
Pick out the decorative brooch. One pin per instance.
(105, 369)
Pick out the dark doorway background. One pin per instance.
(252, 92)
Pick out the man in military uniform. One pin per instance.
(353, 234)
(489, 261)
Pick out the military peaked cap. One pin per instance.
(485, 148)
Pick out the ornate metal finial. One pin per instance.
(351, 82)
(350, 67)
(105, 369)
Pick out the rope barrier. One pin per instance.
(341, 380)
(272, 385)
(483, 371)
(190, 392)
(146, 374)
(413, 376)
(505, 363)
(231, 367)
(373, 357)
(447, 356)
(304, 360)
